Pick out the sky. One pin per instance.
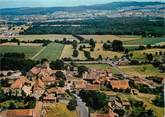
(54, 3)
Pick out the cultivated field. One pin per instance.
(51, 52)
(51, 37)
(105, 38)
(145, 41)
(29, 51)
(59, 110)
(141, 70)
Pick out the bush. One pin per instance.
(72, 104)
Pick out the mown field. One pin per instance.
(51, 52)
(59, 110)
(141, 70)
(29, 51)
(51, 37)
(145, 41)
(105, 38)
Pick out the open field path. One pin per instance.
(38, 53)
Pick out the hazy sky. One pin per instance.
(50, 3)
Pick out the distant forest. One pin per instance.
(120, 26)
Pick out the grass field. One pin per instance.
(145, 41)
(105, 38)
(140, 54)
(141, 70)
(29, 51)
(96, 66)
(99, 51)
(100, 66)
(51, 52)
(51, 37)
(68, 52)
(59, 110)
(147, 99)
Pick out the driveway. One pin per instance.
(83, 109)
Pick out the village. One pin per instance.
(43, 86)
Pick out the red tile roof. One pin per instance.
(48, 79)
(20, 113)
(38, 109)
(18, 84)
(38, 85)
(49, 98)
(57, 90)
(119, 84)
(80, 84)
(35, 70)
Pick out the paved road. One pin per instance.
(83, 109)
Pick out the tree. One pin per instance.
(159, 100)
(87, 54)
(61, 83)
(117, 45)
(100, 57)
(75, 53)
(18, 43)
(12, 105)
(107, 46)
(141, 47)
(72, 104)
(82, 69)
(149, 46)
(81, 48)
(92, 43)
(60, 75)
(74, 44)
(150, 57)
(2, 95)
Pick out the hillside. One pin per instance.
(49, 10)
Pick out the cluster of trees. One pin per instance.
(22, 64)
(60, 75)
(155, 79)
(116, 45)
(131, 25)
(57, 65)
(13, 55)
(159, 100)
(139, 109)
(28, 101)
(143, 88)
(94, 99)
(8, 40)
